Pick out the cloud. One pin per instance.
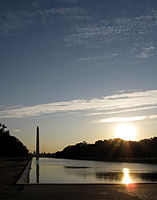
(146, 52)
(123, 111)
(125, 119)
(118, 28)
(152, 117)
(108, 104)
(16, 130)
(69, 1)
(81, 29)
(84, 34)
(106, 56)
(11, 21)
(72, 12)
(121, 119)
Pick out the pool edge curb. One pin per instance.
(24, 176)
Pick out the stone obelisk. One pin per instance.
(37, 144)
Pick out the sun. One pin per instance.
(126, 132)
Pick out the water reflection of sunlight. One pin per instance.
(126, 178)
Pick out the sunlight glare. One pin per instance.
(125, 132)
(126, 177)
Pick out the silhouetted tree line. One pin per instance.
(10, 146)
(112, 149)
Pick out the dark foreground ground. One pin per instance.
(10, 170)
(89, 192)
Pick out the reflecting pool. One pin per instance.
(51, 170)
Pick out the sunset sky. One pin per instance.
(77, 69)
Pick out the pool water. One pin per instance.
(52, 170)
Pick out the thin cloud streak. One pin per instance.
(121, 119)
(16, 130)
(146, 52)
(125, 119)
(86, 60)
(119, 101)
(122, 111)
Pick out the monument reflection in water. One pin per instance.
(37, 170)
(37, 155)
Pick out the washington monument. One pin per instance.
(37, 144)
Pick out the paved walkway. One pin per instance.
(90, 192)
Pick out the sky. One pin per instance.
(77, 69)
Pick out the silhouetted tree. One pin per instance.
(111, 149)
(10, 146)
